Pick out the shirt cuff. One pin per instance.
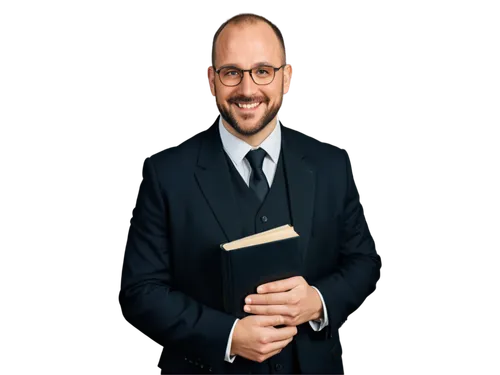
(318, 325)
(228, 357)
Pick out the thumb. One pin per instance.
(270, 320)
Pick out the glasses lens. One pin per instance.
(230, 76)
(263, 74)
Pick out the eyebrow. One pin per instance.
(253, 66)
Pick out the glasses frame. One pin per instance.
(249, 72)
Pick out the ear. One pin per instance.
(287, 77)
(211, 79)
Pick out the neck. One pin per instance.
(256, 139)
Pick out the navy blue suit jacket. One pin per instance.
(171, 279)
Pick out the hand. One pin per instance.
(292, 298)
(255, 338)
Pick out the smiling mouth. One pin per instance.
(248, 106)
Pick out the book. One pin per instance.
(255, 260)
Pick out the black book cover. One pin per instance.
(244, 269)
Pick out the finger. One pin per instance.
(269, 320)
(285, 298)
(271, 310)
(263, 357)
(280, 334)
(280, 285)
(272, 348)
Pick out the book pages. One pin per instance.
(275, 234)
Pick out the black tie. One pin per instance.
(258, 181)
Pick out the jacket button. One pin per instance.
(278, 367)
(264, 219)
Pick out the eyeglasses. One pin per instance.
(261, 75)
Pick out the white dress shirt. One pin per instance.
(237, 149)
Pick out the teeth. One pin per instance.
(253, 105)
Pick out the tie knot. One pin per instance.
(256, 158)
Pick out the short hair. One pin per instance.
(249, 18)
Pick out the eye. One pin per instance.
(230, 73)
(262, 71)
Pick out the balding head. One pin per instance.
(248, 19)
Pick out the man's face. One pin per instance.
(246, 46)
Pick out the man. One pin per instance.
(246, 174)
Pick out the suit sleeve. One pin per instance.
(318, 325)
(358, 269)
(148, 299)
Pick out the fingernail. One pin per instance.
(247, 308)
(248, 300)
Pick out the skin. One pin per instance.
(244, 46)
(288, 302)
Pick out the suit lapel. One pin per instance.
(301, 186)
(214, 180)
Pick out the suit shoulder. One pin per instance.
(316, 149)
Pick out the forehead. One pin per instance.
(246, 44)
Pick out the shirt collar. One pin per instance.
(237, 149)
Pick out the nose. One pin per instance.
(247, 85)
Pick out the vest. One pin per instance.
(258, 217)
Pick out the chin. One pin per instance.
(248, 125)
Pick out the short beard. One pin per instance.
(266, 119)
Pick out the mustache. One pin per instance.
(244, 99)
